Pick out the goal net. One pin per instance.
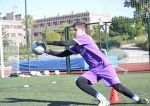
(9, 53)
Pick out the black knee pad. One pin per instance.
(81, 80)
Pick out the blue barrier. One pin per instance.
(76, 62)
(56, 63)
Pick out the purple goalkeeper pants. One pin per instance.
(107, 74)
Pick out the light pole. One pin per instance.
(67, 47)
(147, 15)
(0, 16)
(148, 27)
(27, 34)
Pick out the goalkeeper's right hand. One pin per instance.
(38, 47)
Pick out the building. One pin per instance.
(13, 28)
(53, 23)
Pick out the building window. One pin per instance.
(19, 34)
(76, 20)
(41, 25)
(6, 36)
(49, 24)
(69, 21)
(54, 23)
(84, 19)
(35, 26)
(13, 35)
(19, 26)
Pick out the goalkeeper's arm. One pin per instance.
(61, 43)
(59, 54)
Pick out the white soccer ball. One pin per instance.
(33, 73)
(26, 86)
(38, 73)
(46, 73)
(38, 50)
(57, 72)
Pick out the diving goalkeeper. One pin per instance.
(99, 66)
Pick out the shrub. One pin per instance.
(112, 42)
(115, 41)
(142, 42)
(116, 51)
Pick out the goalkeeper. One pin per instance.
(99, 66)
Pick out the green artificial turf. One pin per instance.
(60, 90)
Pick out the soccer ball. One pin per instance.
(46, 72)
(39, 50)
(33, 73)
(38, 73)
(57, 72)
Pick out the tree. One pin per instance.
(126, 28)
(121, 26)
(30, 22)
(142, 7)
(53, 36)
(48, 35)
(95, 32)
(62, 29)
(139, 27)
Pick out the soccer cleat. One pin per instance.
(143, 101)
(104, 103)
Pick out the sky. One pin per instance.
(49, 8)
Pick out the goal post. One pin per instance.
(1, 53)
(9, 52)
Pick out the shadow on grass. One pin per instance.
(51, 103)
(132, 103)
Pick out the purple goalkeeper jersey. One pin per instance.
(87, 48)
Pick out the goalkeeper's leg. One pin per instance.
(120, 88)
(85, 85)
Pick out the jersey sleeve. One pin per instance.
(74, 49)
